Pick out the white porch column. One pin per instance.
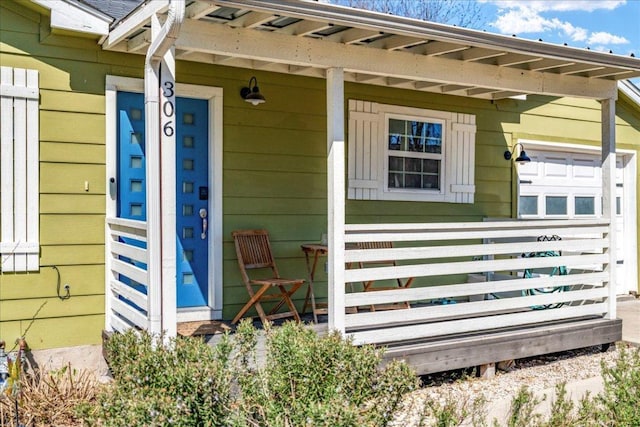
(336, 196)
(154, 214)
(608, 107)
(168, 189)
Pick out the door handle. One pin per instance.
(203, 215)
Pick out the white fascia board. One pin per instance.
(134, 22)
(75, 16)
(341, 15)
(630, 90)
(304, 51)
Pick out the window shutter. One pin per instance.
(364, 160)
(19, 176)
(460, 159)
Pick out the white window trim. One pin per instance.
(115, 84)
(415, 192)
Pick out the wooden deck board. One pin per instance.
(461, 351)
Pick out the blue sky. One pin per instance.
(600, 25)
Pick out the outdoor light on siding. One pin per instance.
(521, 159)
(252, 94)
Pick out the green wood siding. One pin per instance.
(274, 168)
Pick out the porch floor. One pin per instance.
(473, 349)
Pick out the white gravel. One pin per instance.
(537, 373)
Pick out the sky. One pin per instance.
(607, 25)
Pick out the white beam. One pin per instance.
(608, 107)
(168, 124)
(142, 16)
(199, 10)
(153, 197)
(336, 196)
(274, 47)
(252, 20)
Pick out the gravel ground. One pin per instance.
(537, 373)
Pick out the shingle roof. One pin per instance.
(117, 9)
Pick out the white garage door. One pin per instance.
(568, 185)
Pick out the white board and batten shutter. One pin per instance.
(19, 175)
(366, 159)
(460, 157)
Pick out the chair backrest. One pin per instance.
(376, 245)
(254, 251)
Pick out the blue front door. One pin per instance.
(192, 187)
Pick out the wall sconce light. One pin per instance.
(521, 159)
(251, 93)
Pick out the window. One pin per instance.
(405, 153)
(414, 154)
(19, 170)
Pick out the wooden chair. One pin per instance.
(254, 252)
(369, 285)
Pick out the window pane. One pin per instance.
(431, 166)
(412, 165)
(396, 164)
(585, 206)
(412, 181)
(528, 205)
(431, 182)
(556, 205)
(395, 180)
(618, 205)
(415, 136)
(434, 138)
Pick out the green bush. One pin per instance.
(302, 379)
(319, 381)
(619, 404)
(184, 382)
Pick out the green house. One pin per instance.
(129, 154)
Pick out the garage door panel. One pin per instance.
(568, 185)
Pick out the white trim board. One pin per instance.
(214, 96)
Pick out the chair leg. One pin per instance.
(286, 296)
(254, 300)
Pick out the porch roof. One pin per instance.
(308, 37)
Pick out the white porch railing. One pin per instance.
(127, 300)
(448, 256)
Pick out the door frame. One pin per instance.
(630, 205)
(213, 95)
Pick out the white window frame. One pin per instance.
(418, 192)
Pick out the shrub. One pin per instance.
(184, 382)
(311, 380)
(619, 404)
(302, 379)
(49, 398)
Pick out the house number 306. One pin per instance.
(168, 109)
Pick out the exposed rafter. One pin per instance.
(307, 38)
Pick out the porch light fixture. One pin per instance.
(251, 93)
(521, 159)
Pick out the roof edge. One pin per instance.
(630, 90)
(380, 22)
(75, 16)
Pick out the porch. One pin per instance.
(531, 311)
(529, 305)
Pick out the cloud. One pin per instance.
(606, 38)
(525, 17)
